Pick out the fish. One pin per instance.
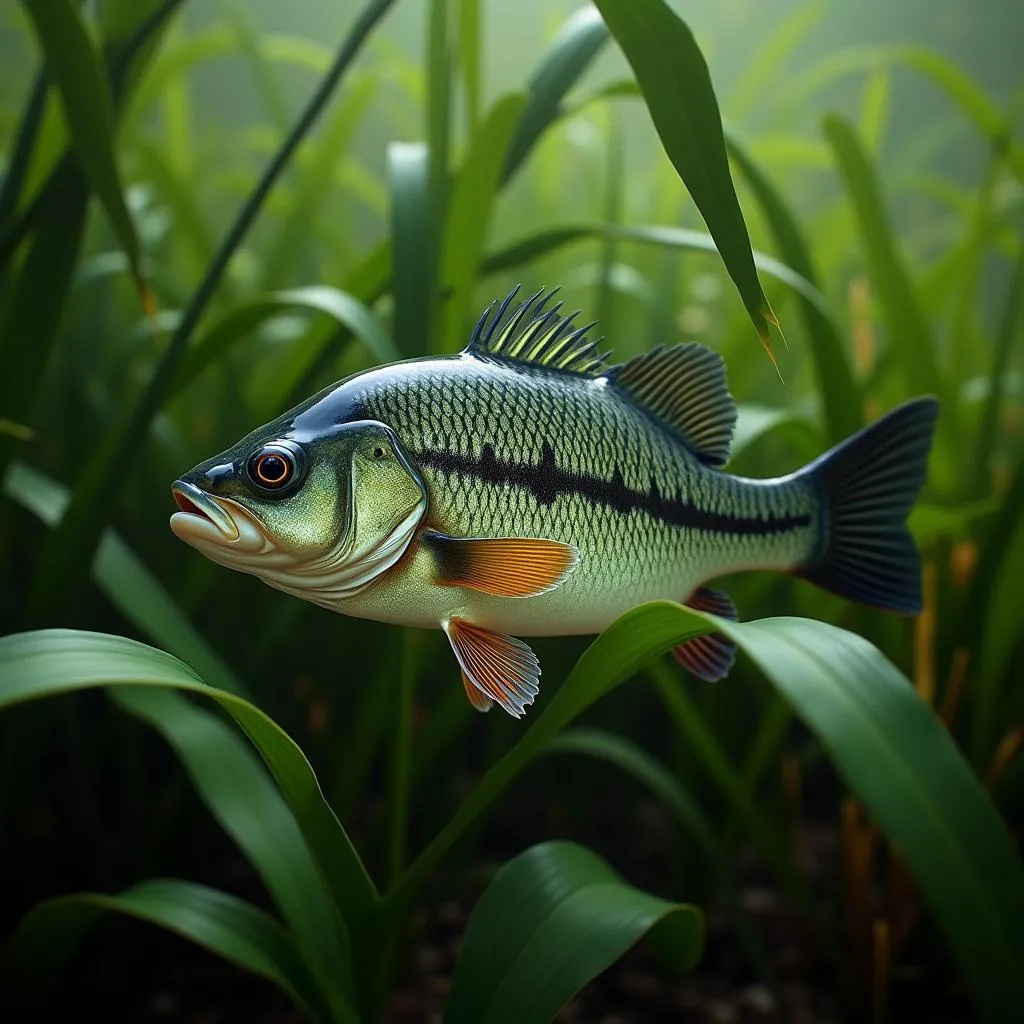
(527, 486)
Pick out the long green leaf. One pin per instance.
(47, 663)
(911, 343)
(893, 751)
(68, 551)
(472, 198)
(674, 79)
(555, 917)
(74, 64)
(127, 583)
(901, 762)
(231, 781)
(244, 317)
(411, 233)
(574, 47)
(635, 762)
(224, 924)
(30, 321)
(840, 395)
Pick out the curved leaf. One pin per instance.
(674, 79)
(555, 917)
(224, 924)
(634, 761)
(47, 663)
(74, 65)
(902, 763)
(893, 751)
(469, 208)
(245, 317)
(904, 313)
(411, 233)
(127, 582)
(576, 44)
(838, 389)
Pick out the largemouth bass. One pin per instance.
(525, 488)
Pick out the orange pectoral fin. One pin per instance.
(500, 668)
(502, 566)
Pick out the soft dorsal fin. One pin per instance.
(684, 386)
(531, 333)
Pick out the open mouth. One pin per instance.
(198, 510)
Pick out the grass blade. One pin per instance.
(469, 212)
(74, 65)
(470, 36)
(576, 44)
(240, 320)
(233, 784)
(409, 176)
(634, 761)
(70, 548)
(225, 925)
(47, 663)
(676, 85)
(555, 917)
(840, 394)
(911, 336)
(899, 759)
(129, 586)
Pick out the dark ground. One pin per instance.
(170, 981)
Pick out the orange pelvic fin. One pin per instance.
(499, 667)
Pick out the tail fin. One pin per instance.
(869, 483)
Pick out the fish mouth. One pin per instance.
(201, 516)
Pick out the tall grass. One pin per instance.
(216, 280)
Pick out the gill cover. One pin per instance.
(320, 515)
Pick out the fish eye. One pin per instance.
(274, 466)
(379, 452)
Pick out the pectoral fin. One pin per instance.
(711, 656)
(498, 667)
(502, 566)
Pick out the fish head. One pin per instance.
(317, 514)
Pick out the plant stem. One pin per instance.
(70, 548)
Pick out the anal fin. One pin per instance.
(500, 668)
(709, 657)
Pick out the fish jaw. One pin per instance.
(214, 525)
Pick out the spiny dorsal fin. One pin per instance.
(684, 386)
(532, 334)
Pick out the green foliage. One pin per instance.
(286, 254)
(553, 919)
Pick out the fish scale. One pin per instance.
(525, 487)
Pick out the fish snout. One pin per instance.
(201, 517)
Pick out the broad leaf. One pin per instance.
(412, 234)
(554, 918)
(48, 663)
(246, 316)
(674, 79)
(224, 924)
(574, 47)
(469, 210)
(74, 65)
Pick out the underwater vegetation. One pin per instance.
(204, 223)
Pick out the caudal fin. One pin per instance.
(869, 483)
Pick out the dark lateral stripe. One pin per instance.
(546, 481)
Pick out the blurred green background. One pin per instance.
(910, 208)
